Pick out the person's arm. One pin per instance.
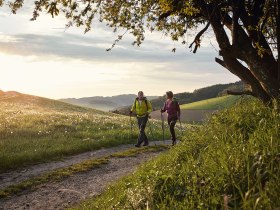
(163, 109)
(133, 107)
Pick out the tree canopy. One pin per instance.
(247, 31)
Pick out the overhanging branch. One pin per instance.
(221, 62)
(197, 39)
(235, 67)
(235, 17)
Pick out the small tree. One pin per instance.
(247, 31)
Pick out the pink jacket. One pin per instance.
(172, 107)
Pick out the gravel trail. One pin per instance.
(72, 190)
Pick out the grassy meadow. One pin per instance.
(213, 103)
(35, 129)
(231, 162)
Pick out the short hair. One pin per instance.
(169, 94)
(140, 92)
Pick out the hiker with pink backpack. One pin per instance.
(171, 106)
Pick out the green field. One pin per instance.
(213, 103)
(34, 129)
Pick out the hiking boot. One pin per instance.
(146, 144)
(174, 142)
(137, 145)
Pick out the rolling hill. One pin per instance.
(104, 103)
(12, 101)
(35, 129)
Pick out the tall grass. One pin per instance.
(34, 130)
(232, 162)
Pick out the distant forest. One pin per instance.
(197, 95)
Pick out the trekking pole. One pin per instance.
(162, 125)
(130, 127)
(181, 126)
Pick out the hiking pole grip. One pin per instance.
(130, 126)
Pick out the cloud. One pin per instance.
(72, 46)
(46, 39)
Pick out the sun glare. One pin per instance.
(61, 78)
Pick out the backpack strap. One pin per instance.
(146, 102)
(175, 102)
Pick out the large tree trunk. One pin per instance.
(278, 34)
(260, 70)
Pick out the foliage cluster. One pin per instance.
(232, 162)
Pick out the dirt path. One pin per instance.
(77, 187)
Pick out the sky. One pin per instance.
(42, 58)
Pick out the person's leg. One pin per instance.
(172, 123)
(139, 140)
(145, 138)
(142, 121)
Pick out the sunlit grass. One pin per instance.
(231, 162)
(34, 130)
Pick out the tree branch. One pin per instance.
(247, 42)
(257, 12)
(235, 24)
(197, 39)
(235, 67)
(221, 62)
(254, 35)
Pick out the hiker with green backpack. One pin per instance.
(142, 107)
(172, 107)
